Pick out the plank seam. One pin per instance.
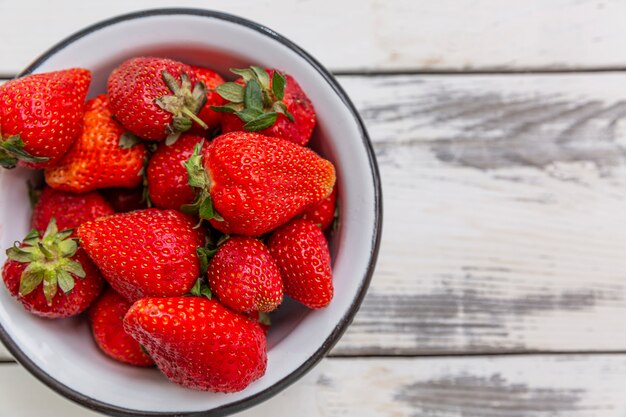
(487, 71)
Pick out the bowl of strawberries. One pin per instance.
(191, 212)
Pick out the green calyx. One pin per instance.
(49, 261)
(184, 104)
(200, 181)
(128, 140)
(12, 149)
(257, 103)
(201, 289)
(265, 319)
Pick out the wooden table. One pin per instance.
(500, 129)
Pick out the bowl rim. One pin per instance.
(342, 324)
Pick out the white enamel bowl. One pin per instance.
(62, 354)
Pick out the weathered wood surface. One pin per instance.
(373, 35)
(533, 386)
(504, 203)
(504, 200)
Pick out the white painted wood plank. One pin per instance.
(504, 205)
(505, 200)
(373, 34)
(536, 386)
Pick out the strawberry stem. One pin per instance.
(183, 104)
(193, 117)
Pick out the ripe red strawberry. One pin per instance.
(267, 102)
(322, 213)
(211, 80)
(252, 183)
(125, 199)
(37, 267)
(168, 183)
(70, 210)
(198, 343)
(156, 97)
(98, 159)
(301, 253)
(107, 326)
(243, 275)
(145, 253)
(40, 115)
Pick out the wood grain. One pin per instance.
(504, 201)
(536, 386)
(374, 35)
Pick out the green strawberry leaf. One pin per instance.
(183, 104)
(228, 108)
(278, 85)
(198, 178)
(68, 247)
(253, 98)
(32, 276)
(18, 254)
(49, 260)
(199, 95)
(262, 122)
(195, 171)
(223, 239)
(50, 284)
(230, 91)
(32, 237)
(128, 140)
(12, 149)
(52, 228)
(246, 73)
(201, 289)
(75, 268)
(207, 212)
(64, 234)
(262, 76)
(204, 255)
(46, 252)
(247, 115)
(65, 281)
(280, 107)
(265, 319)
(171, 139)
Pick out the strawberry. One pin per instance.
(40, 115)
(107, 326)
(70, 210)
(168, 185)
(243, 275)
(250, 183)
(198, 343)
(211, 80)
(301, 253)
(125, 199)
(98, 159)
(322, 213)
(37, 267)
(156, 98)
(145, 253)
(267, 102)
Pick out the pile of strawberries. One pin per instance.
(178, 211)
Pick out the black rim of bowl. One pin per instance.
(341, 325)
